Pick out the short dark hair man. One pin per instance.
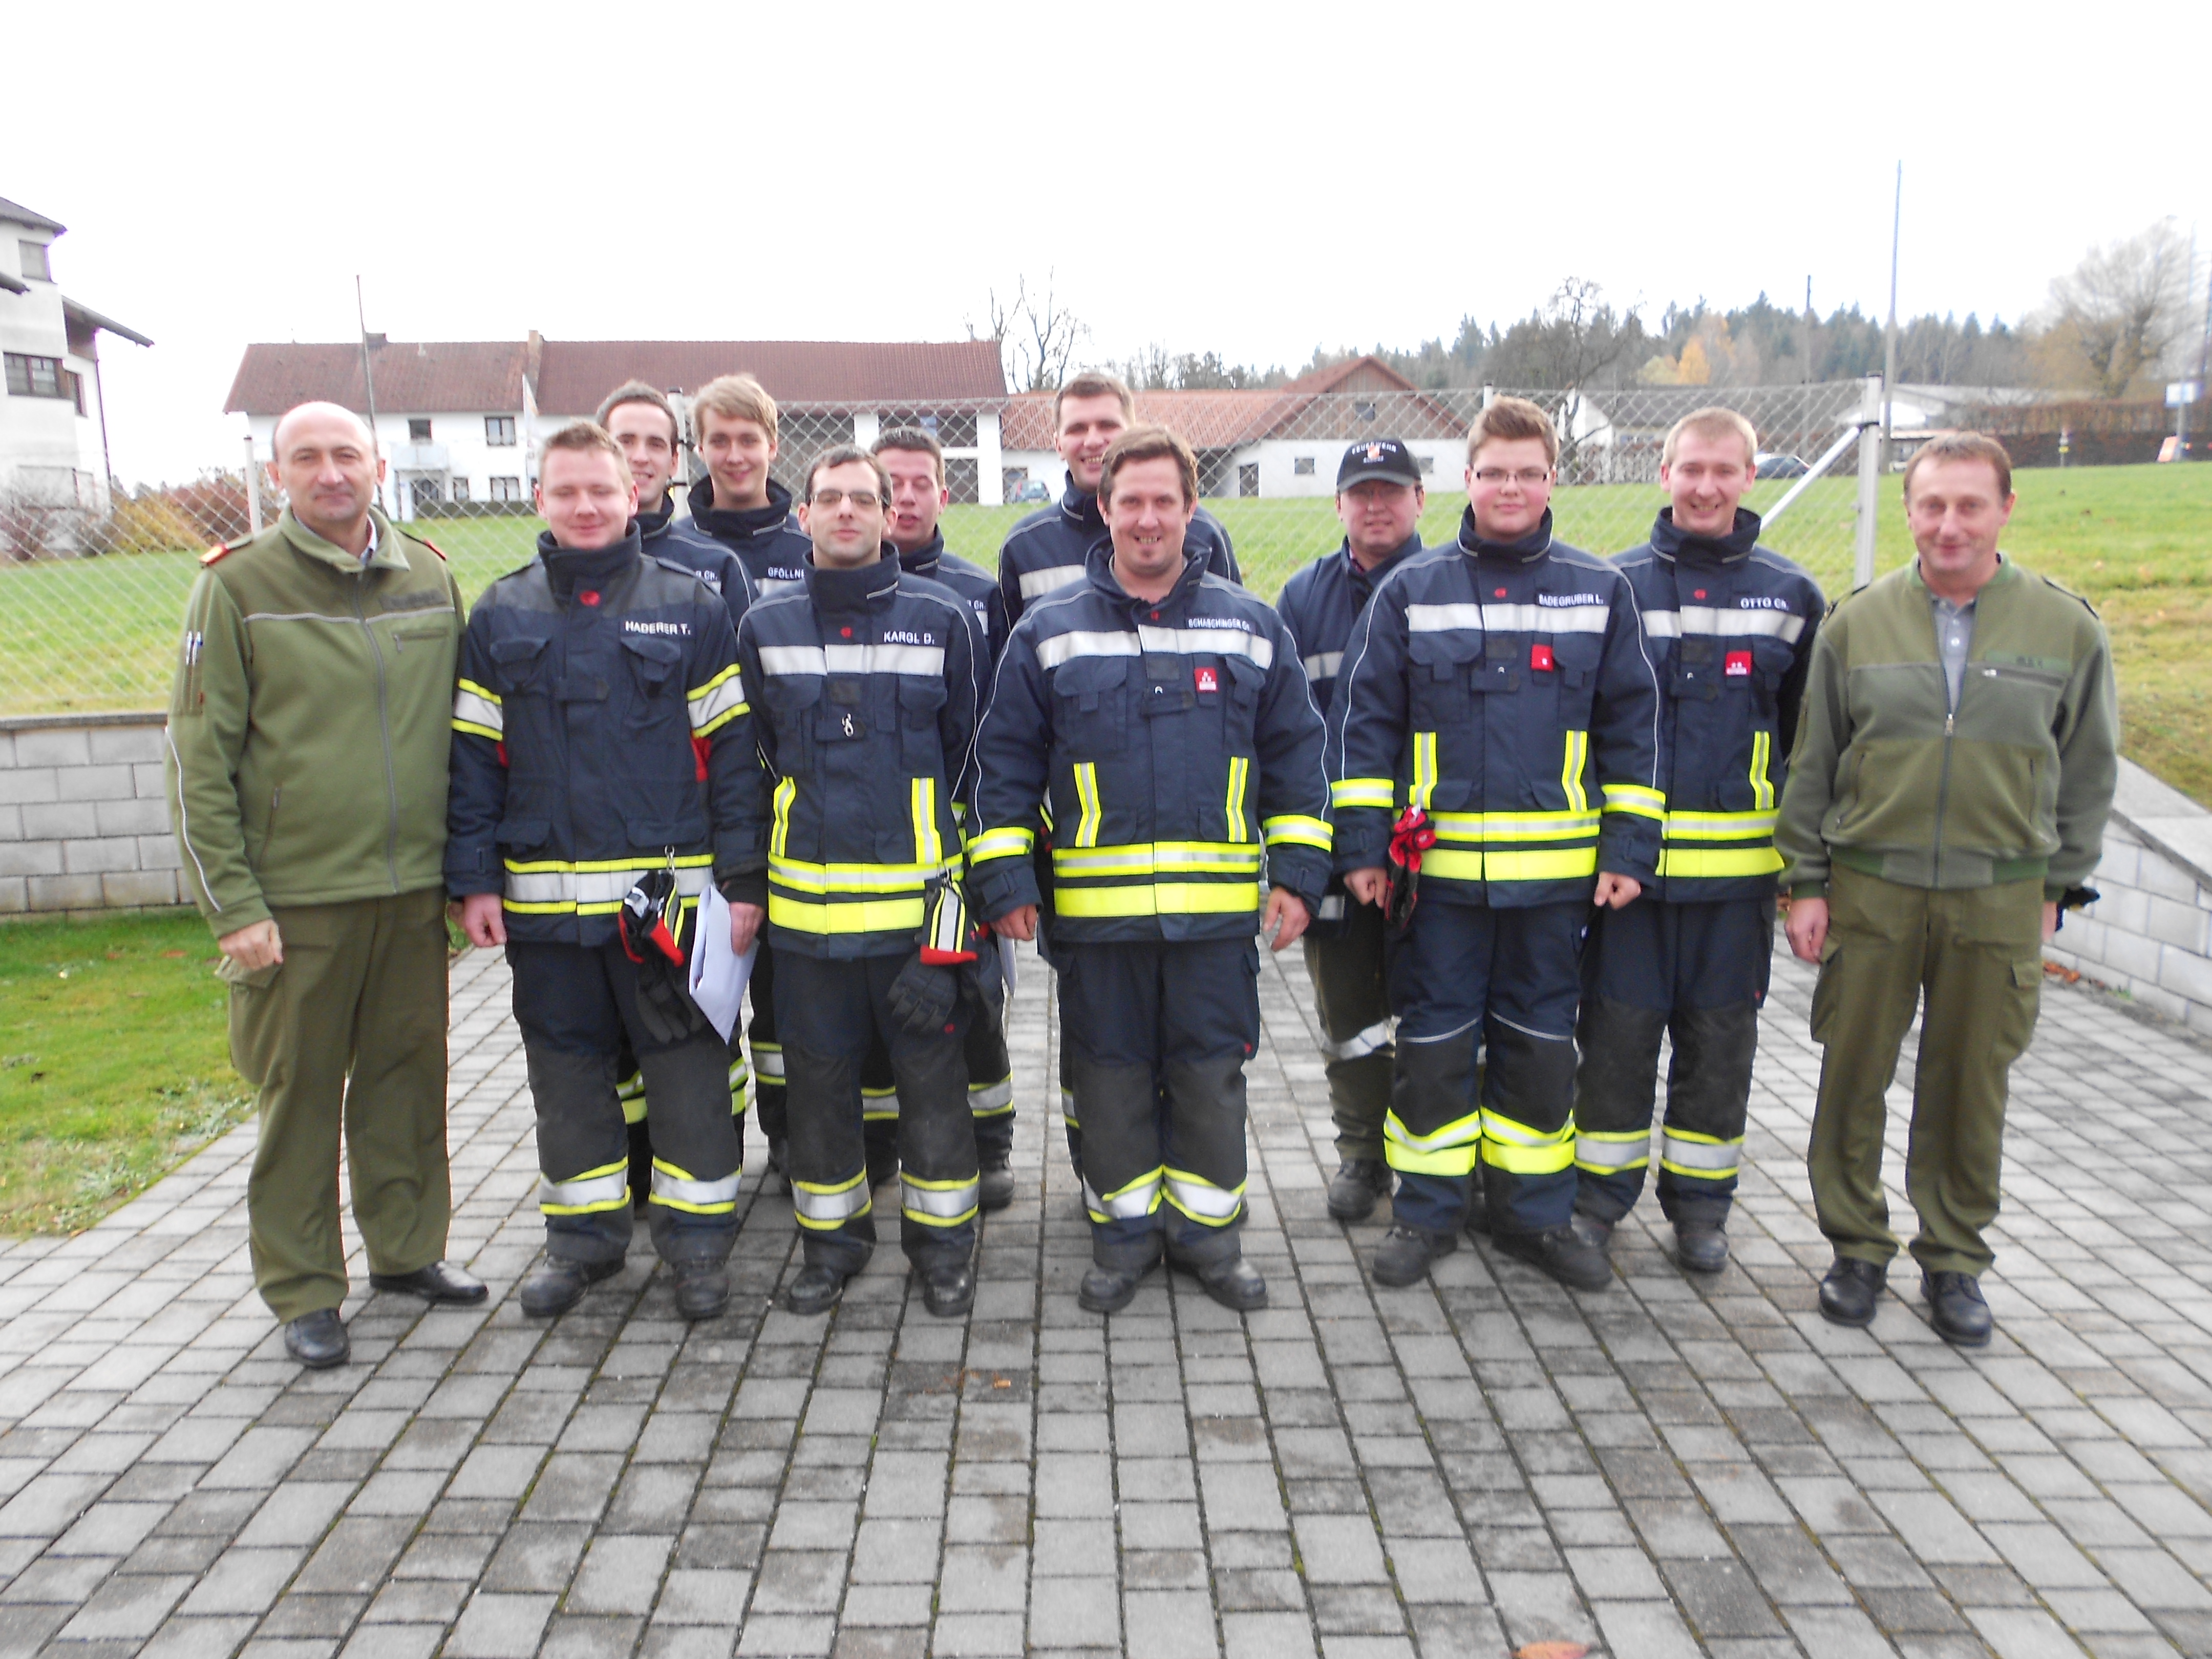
(604, 769)
(1047, 549)
(1379, 499)
(329, 637)
(1161, 713)
(1948, 799)
(1730, 626)
(915, 463)
(870, 682)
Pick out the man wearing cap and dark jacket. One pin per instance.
(1730, 626)
(604, 772)
(1379, 498)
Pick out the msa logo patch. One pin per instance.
(1539, 658)
(1738, 665)
(1207, 679)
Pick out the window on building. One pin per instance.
(461, 489)
(499, 432)
(37, 377)
(1365, 411)
(963, 478)
(77, 389)
(418, 431)
(1248, 478)
(425, 492)
(507, 489)
(1302, 466)
(1428, 463)
(36, 267)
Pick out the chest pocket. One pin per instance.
(1771, 661)
(655, 696)
(1240, 709)
(846, 715)
(1440, 670)
(920, 703)
(1577, 656)
(1091, 706)
(1700, 669)
(517, 665)
(790, 701)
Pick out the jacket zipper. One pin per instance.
(384, 731)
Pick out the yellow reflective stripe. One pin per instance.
(1718, 826)
(853, 916)
(1514, 826)
(592, 886)
(1148, 858)
(779, 837)
(476, 708)
(991, 1099)
(928, 844)
(1086, 792)
(1520, 1149)
(1570, 771)
(1240, 769)
(1566, 865)
(606, 1188)
(1446, 1152)
(1636, 799)
(1762, 787)
(938, 1203)
(1715, 862)
(1001, 844)
(823, 1206)
(1610, 1152)
(1705, 1158)
(677, 1188)
(1296, 830)
(1362, 791)
(1425, 769)
(716, 703)
(805, 877)
(1131, 1203)
(1157, 899)
(1201, 1200)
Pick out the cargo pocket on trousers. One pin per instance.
(2022, 1005)
(247, 979)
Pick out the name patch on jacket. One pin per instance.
(427, 599)
(631, 625)
(907, 636)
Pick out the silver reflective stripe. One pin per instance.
(681, 1192)
(938, 1205)
(478, 711)
(1323, 664)
(592, 1191)
(926, 661)
(594, 886)
(1705, 1157)
(1545, 618)
(986, 1097)
(1332, 907)
(767, 1061)
(1202, 1200)
(1442, 618)
(1593, 1152)
(1067, 1108)
(1360, 1044)
(1133, 1203)
(1049, 579)
(1711, 619)
(716, 704)
(1065, 647)
(829, 1209)
(1201, 641)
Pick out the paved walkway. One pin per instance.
(1666, 1468)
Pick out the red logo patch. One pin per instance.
(589, 595)
(1207, 679)
(1496, 592)
(1539, 657)
(1699, 594)
(1739, 663)
(845, 633)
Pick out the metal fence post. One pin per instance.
(252, 491)
(1870, 479)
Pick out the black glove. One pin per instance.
(655, 931)
(923, 996)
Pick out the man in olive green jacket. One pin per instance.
(1947, 799)
(309, 740)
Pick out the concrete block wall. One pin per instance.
(2150, 934)
(84, 824)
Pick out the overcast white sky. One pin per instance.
(1250, 179)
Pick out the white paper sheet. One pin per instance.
(1009, 954)
(717, 973)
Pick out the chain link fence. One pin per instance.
(94, 586)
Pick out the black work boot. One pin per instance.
(1477, 1224)
(1235, 1283)
(1593, 1230)
(441, 1281)
(1560, 1253)
(556, 1285)
(319, 1341)
(1405, 1254)
(1850, 1290)
(1110, 1289)
(948, 1288)
(816, 1291)
(995, 1184)
(1359, 1184)
(776, 1178)
(1958, 1312)
(1701, 1246)
(702, 1289)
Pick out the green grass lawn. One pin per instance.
(114, 1062)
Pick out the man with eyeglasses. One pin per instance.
(868, 683)
(1494, 769)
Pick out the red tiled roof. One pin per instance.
(1317, 406)
(575, 374)
(453, 377)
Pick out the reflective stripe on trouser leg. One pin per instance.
(1352, 1001)
(583, 1156)
(936, 1134)
(1204, 1158)
(1529, 1129)
(696, 1150)
(1122, 1173)
(766, 1047)
(1708, 1098)
(1614, 1087)
(1439, 978)
(990, 1087)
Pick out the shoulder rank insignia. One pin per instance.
(434, 547)
(219, 550)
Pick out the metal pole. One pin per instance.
(252, 492)
(1807, 376)
(368, 378)
(1889, 333)
(1871, 405)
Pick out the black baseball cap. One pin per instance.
(1377, 457)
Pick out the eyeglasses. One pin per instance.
(1528, 477)
(861, 499)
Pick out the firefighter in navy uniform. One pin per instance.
(604, 771)
(1379, 498)
(1492, 745)
(869, 683)
(740, 507)
(643, 423)
(915, 464)
(1162, 713)
(1730, 627)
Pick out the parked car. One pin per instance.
(1029, 489)
(1778, 466)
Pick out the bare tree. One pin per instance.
(2125, 305)
(1037, 336)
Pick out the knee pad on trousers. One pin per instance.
(1429, 1083)
(1619, 1066)
(1204, 1159)
(1120, 1143)
(1530, 1079)
(583, 1155)
(1710, 1092)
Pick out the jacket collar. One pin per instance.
(389, 554)
(654, 525)
(1526, 551)
(739, 524)
(1081, 510)
(847, 592)
(1099, 566)
(569, 568)
(1670, 543)
(924, 559)
(2007, 573)
(1364, 579)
